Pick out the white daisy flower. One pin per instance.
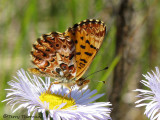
(30, 93)
(150, 98)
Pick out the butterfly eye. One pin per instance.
(79, 83)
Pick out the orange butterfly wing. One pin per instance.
(53, 55)
(88, 36)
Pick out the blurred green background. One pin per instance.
(22, 22)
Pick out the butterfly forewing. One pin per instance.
(88, 36)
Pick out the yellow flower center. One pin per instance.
(56, 100)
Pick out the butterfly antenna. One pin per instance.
(97, 72)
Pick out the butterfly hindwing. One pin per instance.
(53, 54)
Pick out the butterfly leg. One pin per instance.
(69, 93)
(82, 92)
(55, 82)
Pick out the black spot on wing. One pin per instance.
(45, 36)
(93, 47)
(52, 60)
(46, 40)
(81, 38)
(36, 48)
(87, 21)
(87, 53)
(58, 70)
(73, 33)
(70, 68)
(71, 56)
(35, 56)
(81, 64)
(47, 64)
(99, 22)
(83, 60)
(47, 49)
(55, 34)
(75, 26)
(39, 41)
(66, 56)
(87, 41)
(57, 45)
(93, 21)
(76, 41)
(78, 53)
(54, 55)
(82, 46)
(69, 29)
(64, 46)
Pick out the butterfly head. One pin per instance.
(82, 82)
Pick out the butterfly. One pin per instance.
(66, 56)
